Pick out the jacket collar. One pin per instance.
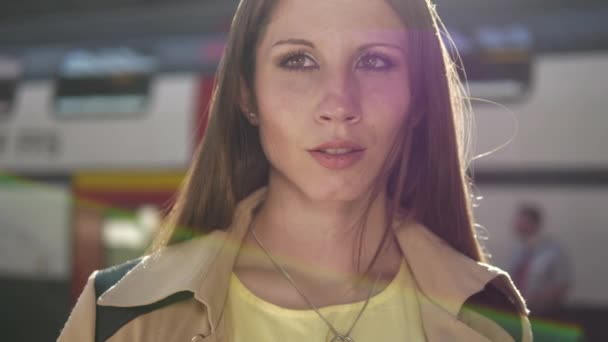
(203, 266)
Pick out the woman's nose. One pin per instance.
(340, 101)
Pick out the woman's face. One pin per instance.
(331, 83)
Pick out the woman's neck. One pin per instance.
(317, 236)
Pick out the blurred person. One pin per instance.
(540, 267)
(330, 192)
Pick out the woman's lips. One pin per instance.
(345, 154)
(337, 161)
(338, 144)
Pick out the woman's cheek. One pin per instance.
(295, 84)
(385, 98)
(280, 123)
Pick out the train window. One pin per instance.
(103, 83)
(497, 61)
(10, 73)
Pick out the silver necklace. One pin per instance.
(337, 336)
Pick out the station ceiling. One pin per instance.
(31, 8)
(557, 25)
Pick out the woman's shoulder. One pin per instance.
(119, 295)
(494, 314)
(104, 279)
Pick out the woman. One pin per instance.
(330, 191)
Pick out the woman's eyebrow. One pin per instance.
(389, 45)
(295, 42)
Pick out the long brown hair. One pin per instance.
(425, 171)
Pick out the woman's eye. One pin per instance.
(374, 62)
(298, 61)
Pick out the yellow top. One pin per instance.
(391, 315)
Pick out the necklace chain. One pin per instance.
(337, 336)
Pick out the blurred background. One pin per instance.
(102, 103)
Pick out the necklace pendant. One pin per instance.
(340, 338)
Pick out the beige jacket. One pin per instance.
(202, 267)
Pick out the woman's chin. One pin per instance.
(323, 189)
(324, 193)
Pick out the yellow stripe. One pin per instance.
(129, 181)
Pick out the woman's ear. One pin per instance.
(246, 105)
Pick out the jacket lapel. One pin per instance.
(439, 325)
(446, 279)
(201, 266)
(214, 284)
